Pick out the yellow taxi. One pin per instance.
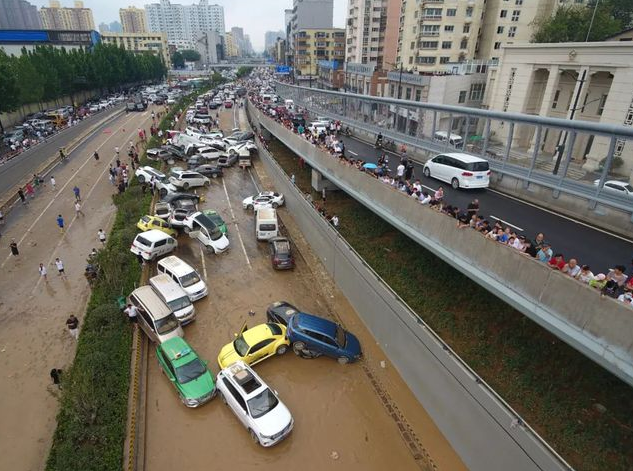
(147, 223)
(254, 345)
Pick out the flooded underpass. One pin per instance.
(356, 416)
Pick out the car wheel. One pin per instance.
(275, 205)
(298, 347)
(187, 230)
(254, 436)
(207, 183)
(163, 192)
(214, 175)
(141, 179)
(343, 360)
(455, 184)
(427, 172)
(281, 349)
(250, 206)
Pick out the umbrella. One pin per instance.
(370, 166)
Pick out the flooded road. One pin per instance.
(33, 334)
(360, 416)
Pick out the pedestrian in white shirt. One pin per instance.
(78, 211)
(102, 236)
(43, 272)
(400, 171)
(60, 268)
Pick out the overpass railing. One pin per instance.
(515, 144)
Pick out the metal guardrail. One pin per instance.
(328, 103)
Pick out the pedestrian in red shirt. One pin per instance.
(557, 262)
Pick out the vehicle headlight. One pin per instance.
(191, 402)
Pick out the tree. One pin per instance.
(190, 55)
(177, 60)
(243, 71)
(571, 24)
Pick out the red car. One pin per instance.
(228, 104)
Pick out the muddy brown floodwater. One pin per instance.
(357, 416)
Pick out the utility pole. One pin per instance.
(560, 148)
(593, 16)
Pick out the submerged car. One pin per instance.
(186, 371)
(281, 253)
(147, 223)
(254, 345)
(216, 219)
(265, 199)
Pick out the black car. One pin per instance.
(242, 136)
(209, 170)
(281, 253)
(280, 312)
(213, 105)
(172, 197)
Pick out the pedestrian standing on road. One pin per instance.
(96, 156)
(400, 171)
(53, 183)
(76, 191)
(43, 272)
(30, 191)
(60, 223)
(78, 211)
(118, 162)
(116, 151)
(102, 236)
(334, 220)
(323, 195)
(292, 178)
(36, 181)
(56, 376)
(73, 326)
(60, 268)
(22, 196)
(14, 248)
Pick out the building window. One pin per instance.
(520, 2)
(500, 29)
(503, 14)
(412, 45)
(463, 44)
(391, 90)
(515, 15)
(407, 94)
(449, 28)
(410, 59)
(512, 31)
(556, 97)
(497, 45)
(432, 13)
(451, 11)
(469, 12)
(426, 60)
(603, 101)
(477, 91)
(429, 45)
(418, 95)
(466, 29)
(447, 44)
(430, 30)
(444, 59)
(462, 96)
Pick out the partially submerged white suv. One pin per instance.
(187, 179)
(257, 406)
(199, 226)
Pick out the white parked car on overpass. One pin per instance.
(460, 170)
(617, 187)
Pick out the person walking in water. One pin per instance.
(60, 223)
(14, 248)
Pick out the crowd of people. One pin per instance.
(615, 283)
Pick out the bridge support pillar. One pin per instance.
(319, 182)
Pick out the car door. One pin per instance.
(160, 247)
(325, 344)
(260, 350)
(438, 169)
(235, 400)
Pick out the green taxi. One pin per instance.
(216, 219)
(188, 373)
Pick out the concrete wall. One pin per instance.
(560, 304)
(476, 421)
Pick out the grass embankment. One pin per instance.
(91, 423)
(555, 388)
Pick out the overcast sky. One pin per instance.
(255, 16)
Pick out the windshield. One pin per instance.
(215, 234)
(189, 279)
(216, 219)
(240, 346)
(477, 166)
(192, 370)
(340, 337)
(263, 403)
(166, 324)
(180, 303)
(143, 241)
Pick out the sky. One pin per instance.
(255, 16)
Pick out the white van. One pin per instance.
(454, 140)
(266, 225)
(152, 244)
(174, 296)
(199, 226)
(185, 275)
(289, 104)
(458, 169)
(154, 317)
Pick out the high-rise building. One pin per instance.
(314, 45)
(182, 23)
(231, 49)
(311, 14)
(270, 38)
(19, 14)
(133, 20)
(288, 25)
(115, 27)
(210, 45)
(76, 18)
(104, 28)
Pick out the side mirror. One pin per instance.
(235, 334)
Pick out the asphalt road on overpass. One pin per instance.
(27, 163)
(589, 245)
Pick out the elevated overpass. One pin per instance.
(600, 328)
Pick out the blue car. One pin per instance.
(312, 336)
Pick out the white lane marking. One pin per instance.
(50, 260)
(428, 188)
(235, 125)
(239, 235)
(89, 159)
(254, 182)
(204, 264)
(562, 216)
(351, 152)
(506, 222)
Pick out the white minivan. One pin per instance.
(454, 140)
(266, 225)
(199, 226)
(152, 244)
(185, 275)
(460, 170)
(174, 296)
(154, 317)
